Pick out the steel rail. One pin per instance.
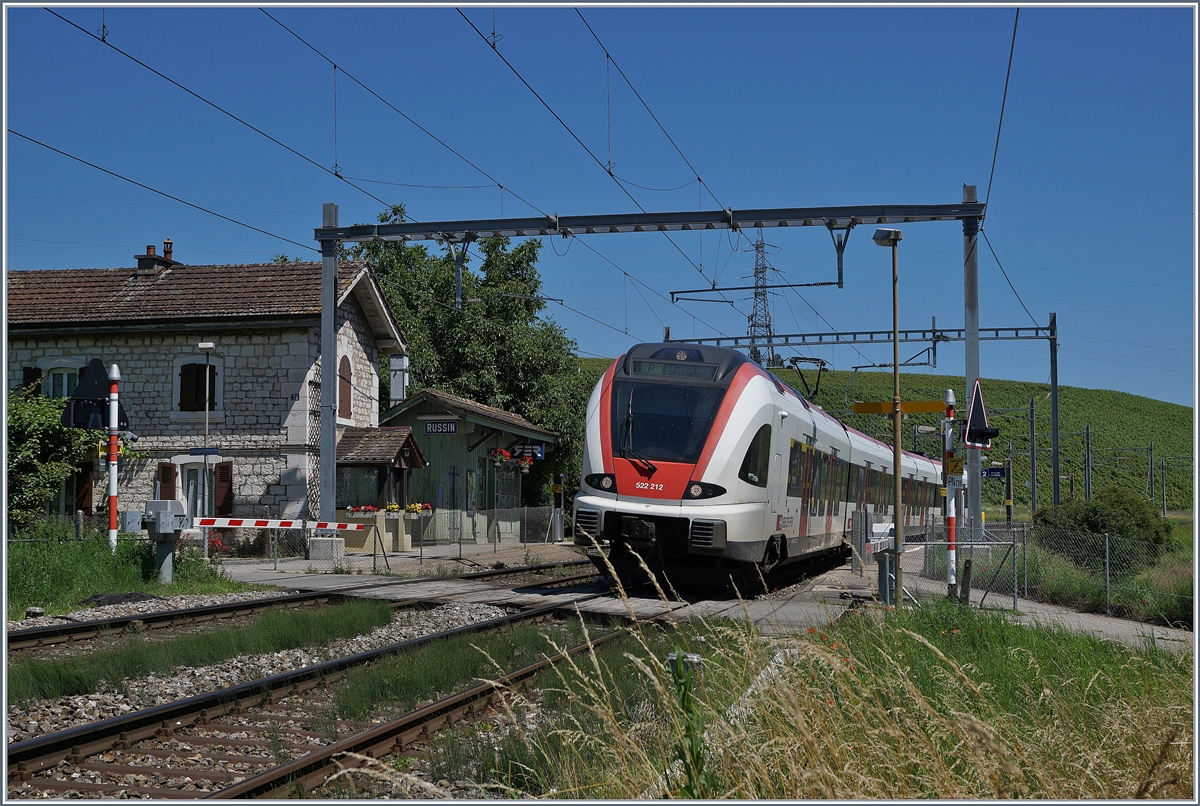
(393, 736)
(85, 630)
(43, 752)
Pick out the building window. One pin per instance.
(359, 486)
(192, 387)
(62, 382)
(344, 385)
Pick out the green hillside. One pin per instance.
(1122, 427)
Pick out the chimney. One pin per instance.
(152, 265)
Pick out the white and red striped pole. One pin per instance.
(948, 453)
(114, 378)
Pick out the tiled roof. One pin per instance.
(65, 296)
(461, 404)
(378, 446)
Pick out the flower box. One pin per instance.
(411, 516)
(392, 516)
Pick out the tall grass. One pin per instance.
(135, 657)
(936, 702)
(47, 567)
(443, 667)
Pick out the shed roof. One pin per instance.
(470, 410)
(379, 446)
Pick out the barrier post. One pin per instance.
(114, 378)
(950, 514)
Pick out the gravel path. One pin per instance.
(47, 716)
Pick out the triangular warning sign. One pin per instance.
(979, 435)
(88, 405)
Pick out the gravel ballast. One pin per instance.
(48, 716)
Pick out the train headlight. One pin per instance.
(698, 489)
(605, 482)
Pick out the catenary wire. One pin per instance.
(1002, 271)
(220, 109)
(426, 187)
(575, 137)
(648, 110)
(160, 192)
(388, 104)
(1003, 101)
(463, 158)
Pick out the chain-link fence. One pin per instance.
(438, 536)
(1091, 573)
(62, 529)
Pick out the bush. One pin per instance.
(1114, 511)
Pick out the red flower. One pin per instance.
(812, 630)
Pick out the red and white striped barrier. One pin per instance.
(252, 523)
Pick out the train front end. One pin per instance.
(656, 481)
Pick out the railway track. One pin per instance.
(209, 742)
(73, 632)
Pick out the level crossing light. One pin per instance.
(891, 237)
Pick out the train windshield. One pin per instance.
(662, 422)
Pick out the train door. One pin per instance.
(776, 487)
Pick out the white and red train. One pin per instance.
(700, 461)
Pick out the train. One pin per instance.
(703, 467)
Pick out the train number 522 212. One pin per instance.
(645, 485)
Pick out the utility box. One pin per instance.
(131, 521)
(164, 520)
(327, 549)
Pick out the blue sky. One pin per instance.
(1091, 208)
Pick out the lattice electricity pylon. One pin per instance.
(760, 331)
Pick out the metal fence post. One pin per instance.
(79, 524)
(1013, 535)
(1107, 608)
(1025, 556)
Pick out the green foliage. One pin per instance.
(441, 668)
(689, 747)
(49, 568)
(42, 453)
(1118, 420)
(500, 349)
(276, 630)
(1112, 511)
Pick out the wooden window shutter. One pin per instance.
(188, 399)
(223, 490)
(83, 489)
(165, 476)
(344, 387)
(31, 378)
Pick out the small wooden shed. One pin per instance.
(461, 438)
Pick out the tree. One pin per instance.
(1114, 511)
(42, 453)
(500, 349)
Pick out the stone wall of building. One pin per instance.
(262, 417)
(260, 390)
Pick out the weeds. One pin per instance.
(940, 702)
(48, 568)
(274, 631)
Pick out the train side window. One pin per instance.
(757, 461)
(795, 466)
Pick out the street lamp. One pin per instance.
(921, 429)
(205, 347)
(891, 237)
